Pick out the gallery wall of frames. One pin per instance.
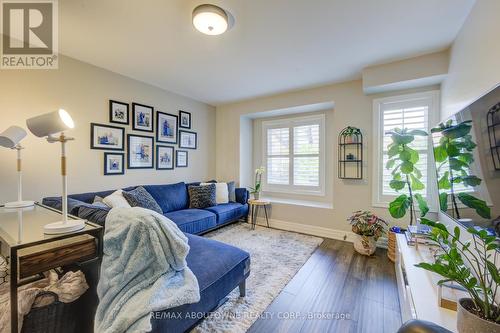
(139, 136)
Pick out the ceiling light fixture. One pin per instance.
(210, 19)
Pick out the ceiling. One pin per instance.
(274, 45)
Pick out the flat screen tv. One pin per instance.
(467, 156)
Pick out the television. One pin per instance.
(467, 157)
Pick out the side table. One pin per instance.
(254, 210)
(32, 252)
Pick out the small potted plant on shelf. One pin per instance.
(473, 264)
(258, 183)
(368, 227)
(350, 134)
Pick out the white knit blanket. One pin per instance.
(143, 270)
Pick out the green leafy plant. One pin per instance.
(471, 264)
(405, 174)
(365, 223)
(454, 156)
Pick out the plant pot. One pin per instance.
(256, 195)
(365, 245)
(468, 322)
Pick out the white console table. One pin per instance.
(417, 288)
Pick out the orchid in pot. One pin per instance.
(258, 183)
(369, 227)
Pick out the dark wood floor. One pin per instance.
(335, 281)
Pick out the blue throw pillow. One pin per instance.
(202, 196)
(231, 189)
(141, 198)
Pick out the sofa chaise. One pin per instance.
(219, 267)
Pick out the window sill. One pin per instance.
(296, 202)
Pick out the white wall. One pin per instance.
(474, 58)
(84, 91)
(474, 66)
(352, 107)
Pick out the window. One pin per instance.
(415, 111)
(294, 155)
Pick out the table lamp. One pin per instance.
(47, 125)
(10, 138)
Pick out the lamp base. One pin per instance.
(19, 204)
(62, 228)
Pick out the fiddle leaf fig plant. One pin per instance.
(405, 174)
(454, 156)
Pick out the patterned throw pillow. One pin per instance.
(202, 196)
(231, 188)
(141, 198)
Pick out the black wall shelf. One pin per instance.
(493, 118)
(350, 153)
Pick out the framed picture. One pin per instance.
(181, 158)
(106, 137)
(114, 164)
(166, 127)
(164, 158)
(188, 139)
(140, 152)
(143, 117)
(118, 112)
(184, 119)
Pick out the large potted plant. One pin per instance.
(473, 265)
(368, 227)
(406, 176)
(454, 155)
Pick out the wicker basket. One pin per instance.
(391, 246)
(57, 317)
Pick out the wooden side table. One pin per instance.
(254, 210)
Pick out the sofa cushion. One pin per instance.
(221, 192)
(231, 189)
(228, 212)
(141, 198)
(90, 196)
(170, 197)
(202, 196)
(193, 221)
(116, 200)
(94, 213)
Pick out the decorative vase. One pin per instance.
(365, 245)
(256, 195)
(468, 322)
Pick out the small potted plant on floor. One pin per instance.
(368, 227)
(473, 264)
(258, 183)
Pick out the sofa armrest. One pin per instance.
(73, 204)
(242, 195)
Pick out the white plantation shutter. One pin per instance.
(416, 111)
(410, 117)
(294, 155)
(278, 155)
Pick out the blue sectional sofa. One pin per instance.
(219, 267)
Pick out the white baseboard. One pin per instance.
(315, 230)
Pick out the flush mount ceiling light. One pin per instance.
(210, 19)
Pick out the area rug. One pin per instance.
(275, 256)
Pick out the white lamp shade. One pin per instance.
(210, 19)
(12, 136)
(50, 123)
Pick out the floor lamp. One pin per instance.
(10, 138)
(47, 125)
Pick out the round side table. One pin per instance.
(254, 210)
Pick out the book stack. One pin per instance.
(418, 234)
